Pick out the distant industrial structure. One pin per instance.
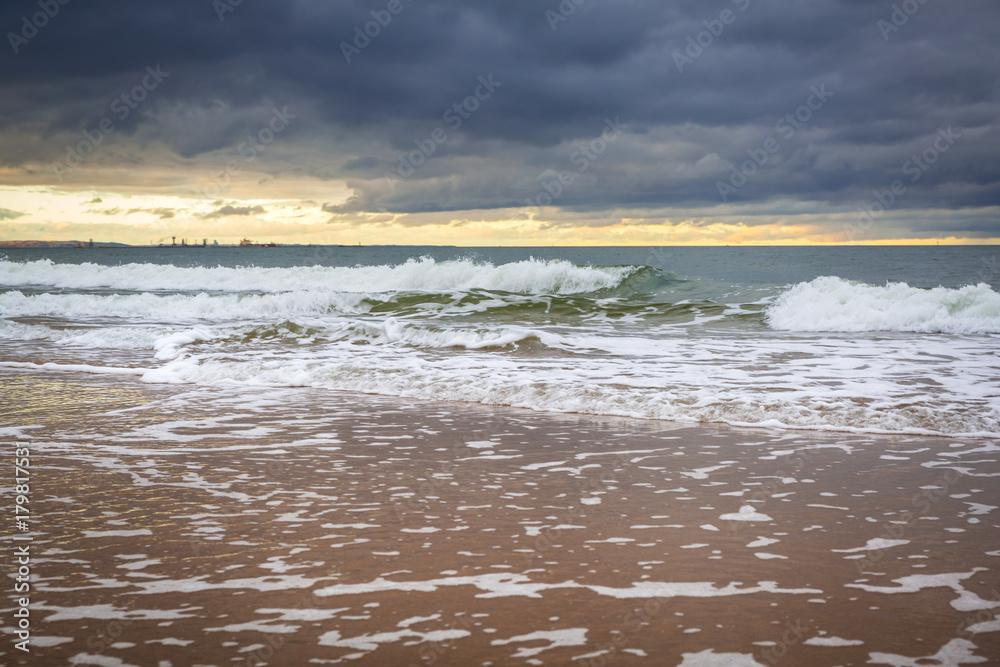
(245, 243)
(184, 244)
(174, 243)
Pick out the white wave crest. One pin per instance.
(835, 304)
(110, 338)
(530, 276)
(179, 307)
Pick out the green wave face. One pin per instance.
(646, 294)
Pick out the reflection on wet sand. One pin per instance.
(218, 527)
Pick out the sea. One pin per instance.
(890, 340)
(521, 456)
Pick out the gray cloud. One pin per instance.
(160, 212)
(236, 210)
(687, 129)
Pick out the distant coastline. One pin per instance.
(62, 244)
(111, 244)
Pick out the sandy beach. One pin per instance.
(278, 526)
(453, 333)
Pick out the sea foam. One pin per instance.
(531, 276)
(835, 304)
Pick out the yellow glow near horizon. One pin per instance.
(50, 214)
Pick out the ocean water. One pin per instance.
(899, 340)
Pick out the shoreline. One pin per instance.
(277, 526)
(769, 427)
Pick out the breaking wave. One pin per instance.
(531, 276)
(835, 304)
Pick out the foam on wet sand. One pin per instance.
(219, 526)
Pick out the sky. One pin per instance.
(498, 122)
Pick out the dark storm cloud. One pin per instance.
(694, 111)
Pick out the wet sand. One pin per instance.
(179, 526)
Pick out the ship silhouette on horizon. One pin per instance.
(247, 243)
